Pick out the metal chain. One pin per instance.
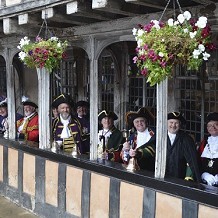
(174, 9)
(46, 26)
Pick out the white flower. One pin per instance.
(134, 31)
(185, 30)
(22, 55)
(196, 53)
(162, 40)
(140, 32)
(193, 34)
(140, 42)
(161, 54)
(170, 22)
(202, 22)
(54, 38)
(187, 15)
(176, 23)
(206, 56)
(156, 24)
(24, 41)
(59, 45)
(201, 47)
(181, 18)
(141, 51)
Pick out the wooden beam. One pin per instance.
(148, 3)
(79, 9)
(112, 6)
(205, 2)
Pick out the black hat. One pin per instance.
(26, 101)
(212, 116)
(177, 116)
(142, 112)
(3, 103)
(82, 104)
(63, 98)
(105, 113)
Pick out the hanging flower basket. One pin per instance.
(160, 46)
(42, 53)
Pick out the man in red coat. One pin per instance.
(28, 127)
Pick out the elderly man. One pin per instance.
(181, 150)
(66, 128)
(141, 144)
(209, 152)
(110, 138)
(28, 126)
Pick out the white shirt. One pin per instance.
(172, 137)
(65, 132)
(20, 128)
(106, 133)
(142, 138)
(211, 149)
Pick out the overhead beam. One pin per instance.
(79, 9)
(148, 3)
(205, 2)
(112, 6)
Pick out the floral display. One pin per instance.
(160, 46)
(42, 53)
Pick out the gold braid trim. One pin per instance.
(150, 150)
(31, 128)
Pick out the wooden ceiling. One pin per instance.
(68, 13)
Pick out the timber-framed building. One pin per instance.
(99, 69)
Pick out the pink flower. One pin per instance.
(144, 72)
(163, 64)
(135, 59)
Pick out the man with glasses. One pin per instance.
(209, 152)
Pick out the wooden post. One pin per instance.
(11, 100)
(93, 101)
(44, 108)
(161, 137)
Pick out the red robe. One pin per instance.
(30, 128)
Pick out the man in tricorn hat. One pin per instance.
(141, 144)
(181, 150)
(28, 126)
(82, 110)
(66, 128)
(209, 152)
(110, 139)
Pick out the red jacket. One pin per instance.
(30, 128)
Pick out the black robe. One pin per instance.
(182, 152)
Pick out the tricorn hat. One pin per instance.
(212, 116)
(105, 113)
(3, 103)
(177, 116)
(27, 101)
(63, 98)
(82, 104)
(142, 112)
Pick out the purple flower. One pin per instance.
(135, 59)
(163, 64)
(144, 72)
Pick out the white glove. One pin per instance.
(216, 178)
(208, 178)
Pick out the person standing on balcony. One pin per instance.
(66, 128)
(181, 160)
(141, 144)
(209, 152)
(28, 126)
